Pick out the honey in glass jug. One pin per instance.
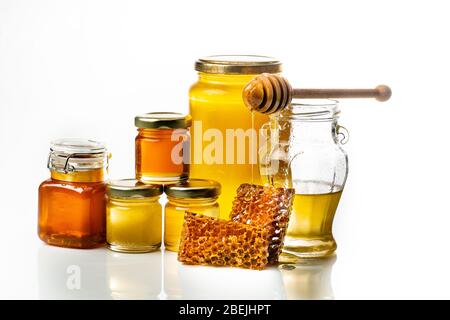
(224, 132)
(304, 151)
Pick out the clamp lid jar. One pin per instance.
(77, 160)
(72, 202)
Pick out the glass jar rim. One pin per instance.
(132, 188)
(69, 155)
(194, 189)
(238, 64)
(163, 120)
(312, 110)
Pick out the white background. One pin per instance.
(85, 68)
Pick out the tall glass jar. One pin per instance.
(222, 146)
(72, 202)
(304, 152)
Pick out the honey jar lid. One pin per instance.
(163, 120)
(70, 155)
(238, 64)
(131, 188)
(194, 188)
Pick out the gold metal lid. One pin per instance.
(163, 120)
(194, 188)
(131, 188)
(238, 64)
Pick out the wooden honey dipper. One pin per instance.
(270, 93)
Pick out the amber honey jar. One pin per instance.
(162, 147)
(224, 134)
(133, 216)
(196, 196)
(72, 202)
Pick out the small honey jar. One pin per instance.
(197, 196)
(133, 216)
(162, 147)
(72, 202)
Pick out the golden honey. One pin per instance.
(223, 145)
(162, 147)
(71, 210)
(310, 227)
(196, 196)
(133, 216)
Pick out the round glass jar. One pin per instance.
(162, 147)
(72, 202)
(219, 114)
(133, 216)
(197, 196)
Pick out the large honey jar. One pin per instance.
(224, 133)
(72, 203)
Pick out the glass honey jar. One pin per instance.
(162, 147)
(197, 196)
(72, 202)
(223, 144)
(304, 151)
(133, 216)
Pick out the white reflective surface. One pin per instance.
(392, 223)
(103, 274)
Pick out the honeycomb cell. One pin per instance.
(266, 207)
(211, 241)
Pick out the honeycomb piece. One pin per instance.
(267, 207)
(210, 241)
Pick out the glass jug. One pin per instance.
(303, 151)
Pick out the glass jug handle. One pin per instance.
(342, 134)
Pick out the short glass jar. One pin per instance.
(162, 147)
(72, 202)
(197, 196)
(133, 216)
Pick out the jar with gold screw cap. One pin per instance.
(223, 144)
(72, 202)
(197, 196)
(162, 147)
(133, 216)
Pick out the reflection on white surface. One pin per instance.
(308, 279)
(103, 274)
(72, 274)
(97, 274)
(134, 276)
(201, 282)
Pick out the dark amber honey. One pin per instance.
(72, 203)
(72, 214)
